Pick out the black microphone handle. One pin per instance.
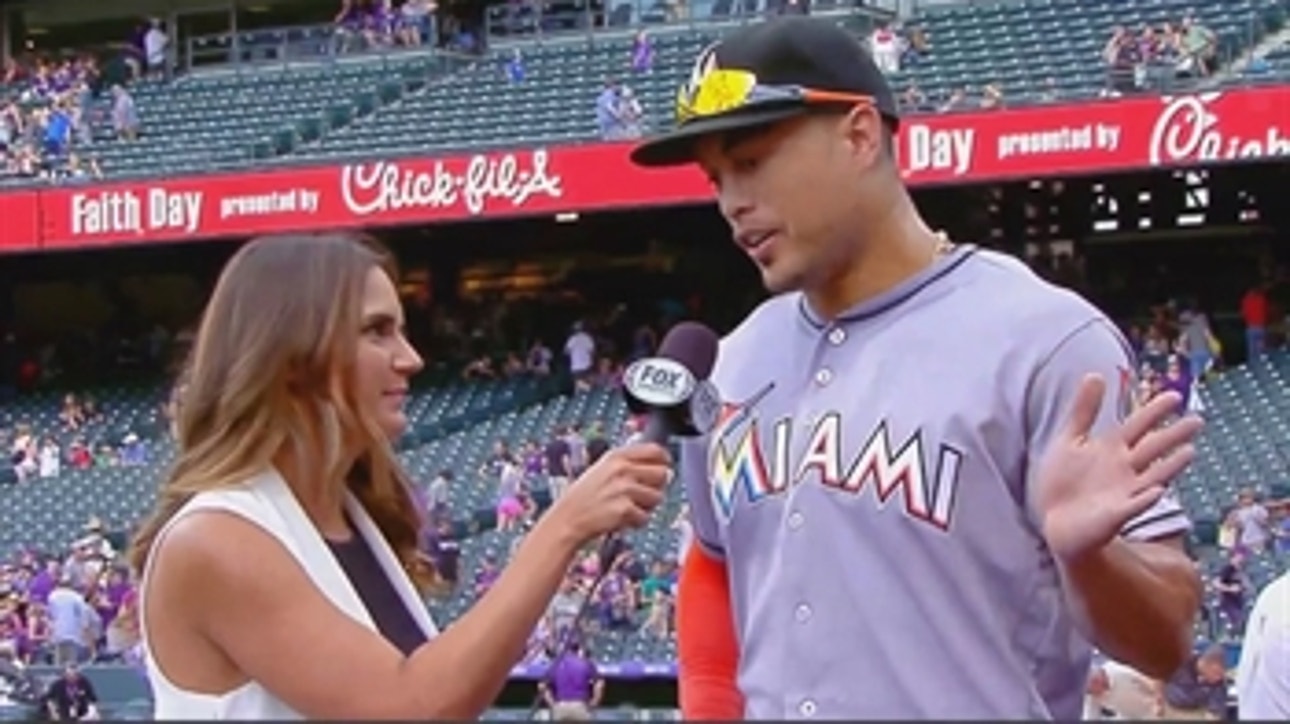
(658, 427)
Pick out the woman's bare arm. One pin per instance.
(245, 593)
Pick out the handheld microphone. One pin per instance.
(673, 392)
(672, 388)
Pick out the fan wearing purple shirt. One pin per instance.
(573, 687)
(930, 491)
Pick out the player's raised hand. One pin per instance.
(1089, 486)
(619, 491)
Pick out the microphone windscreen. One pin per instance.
(694, 346)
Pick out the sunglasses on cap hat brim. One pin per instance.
(727, 100)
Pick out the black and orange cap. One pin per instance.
(814, 54)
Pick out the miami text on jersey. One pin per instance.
(739, 466)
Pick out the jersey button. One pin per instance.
(806, 708)
(823, 377)
(837, 336)
(795, 520)
(802, 613)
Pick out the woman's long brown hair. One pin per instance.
(271, 372)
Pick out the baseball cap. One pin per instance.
(768, 72)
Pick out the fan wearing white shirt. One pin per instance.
(580, 350)
(1263, 673)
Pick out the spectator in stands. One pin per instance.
(991, 96)
(608, 374)
(886, 46)
(447, 554)
(578, 457)
(78, 454)
(559, 464)
(57, 124)
(479, 368)
(26, 457)
(1198, 690)
(656, 595)
(125, 116)
(36, 645)
(73, 623)
(580, 353)
(1169, 46)
(615, 602)
(11, 125)
(43, 582)
(381, 23)
(956, 101)
(71, 697)
(156, 49)
(78, 172)
(1232, 585)
(541, 643)
(50, 458)
(642, 60)
(684, 531)
(1254, 312)
(563, 611)
(631, 115)
(1116, 691)
(917, 44)
(513, 503)
(486, 576)
(513, 67)
(1122, 57)
(913, 100)
(349, 23)
(437, 497)
(1199, 46)
(512, 365)
(573, 687)
(133, 450)
(1177, 378)
(122, 639)
(597, 443)
(618, 114)
(538, 361)
(1196, 341)
(417, 23)
(1250, 517)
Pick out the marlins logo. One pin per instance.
(704, 65)
(750, 461)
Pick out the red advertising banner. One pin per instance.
(1033, 142)
(18, 221)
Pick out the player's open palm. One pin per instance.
(619, 491)
(1090, 486)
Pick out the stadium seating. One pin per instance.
(1009, 44)
(1248, 409)
(428, 101)
(51, 512)
(224, 120)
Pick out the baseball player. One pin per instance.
(1263, 673)
(928, 491)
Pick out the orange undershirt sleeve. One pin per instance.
(707, 649)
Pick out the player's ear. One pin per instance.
(867, 134)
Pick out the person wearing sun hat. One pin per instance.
(925, 497)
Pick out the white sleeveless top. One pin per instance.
(268, 502)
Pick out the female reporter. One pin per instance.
(279, 574)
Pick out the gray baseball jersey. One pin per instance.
(869, 488)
